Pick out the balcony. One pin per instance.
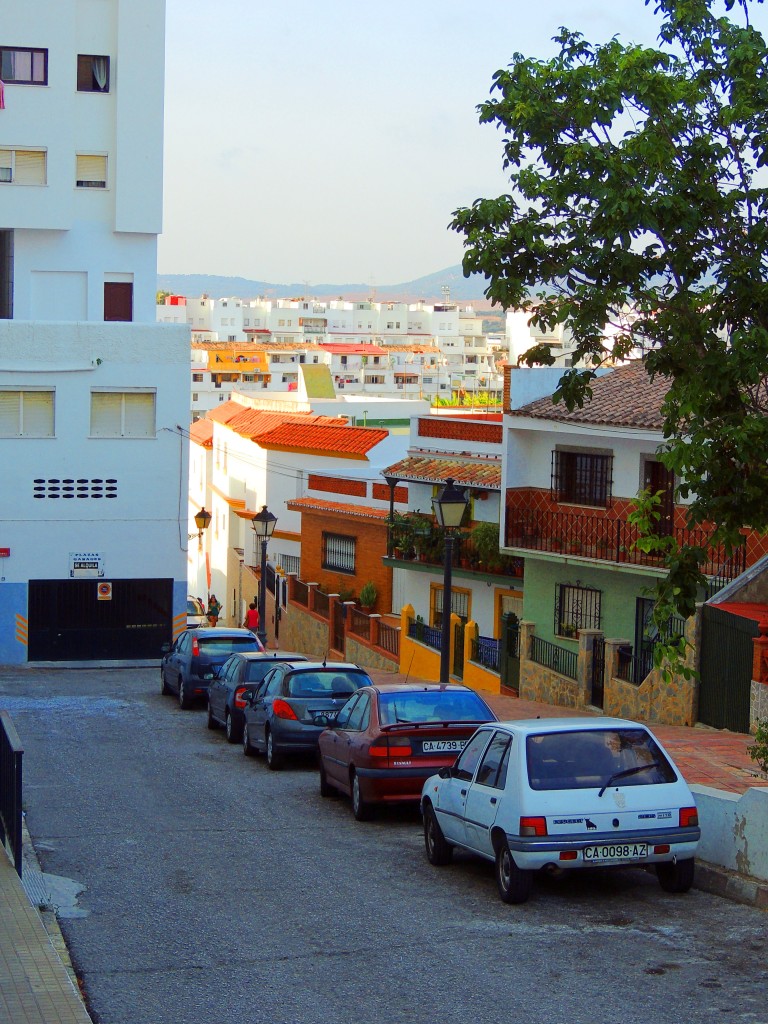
(417, 538)
(535, 522)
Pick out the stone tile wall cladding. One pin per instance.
(304, 632)
(668, 702)
(367, 657)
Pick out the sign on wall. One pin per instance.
(85, 565)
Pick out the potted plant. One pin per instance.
(568, 629)
(368, 596)
(485, 539)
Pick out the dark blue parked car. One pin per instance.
(191, 661)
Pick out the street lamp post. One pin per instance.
(263, 524)
(449, 507)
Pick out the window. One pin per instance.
(26, 413)
(91, 171)
(198, 377)
(493, 770)
(338, 552)
(23, 66)
(583, 478)
(23, 166)
(118, 300)
(122, 414)
(92, 73)
(460, 603)
(468, 759)
(576, 607)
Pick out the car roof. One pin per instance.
(539, 725)
(270, 656)
(330, 666)
(220, 631)
(423, 688)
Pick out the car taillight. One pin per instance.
(533, 826)
(195, 648)
(282, 709)
(689, 817)
(384, 747)
(239, 702)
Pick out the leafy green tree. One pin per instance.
(638, 204)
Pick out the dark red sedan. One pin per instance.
(387, 740)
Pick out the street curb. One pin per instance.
(731, 885)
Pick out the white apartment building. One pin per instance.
(386, 349)
(93, 511)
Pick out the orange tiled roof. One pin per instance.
(316, 436)
(484, 473)
(201, 432)
(224, 412)
(255, 424)
(625, 397)
(343, 508)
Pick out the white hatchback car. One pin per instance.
(563, 793)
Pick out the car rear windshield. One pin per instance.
(432, 706)
(228, 644)
(584, 759)
(326, 684)
(256, 670)
(195, 607)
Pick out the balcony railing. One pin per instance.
(557, 658)
(607, 538)
(485, 651)
(428, 546)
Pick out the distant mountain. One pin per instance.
(462, 289)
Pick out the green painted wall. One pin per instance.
(619, 590)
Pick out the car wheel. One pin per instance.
(675, 876)
(164, 687)
(248, 750)
(233, 733)
(326, 789)
(274, 761)
(513, 883)
(439, 851)
(212, 723)
(361, 810)
(184, 701)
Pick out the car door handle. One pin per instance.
(493, 799)
(463, 792)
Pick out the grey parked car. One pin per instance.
(240, 674)
(290, 709)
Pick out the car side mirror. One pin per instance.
(165, 648)
(323, 720)
(446, 773)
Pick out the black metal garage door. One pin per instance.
(69, 622)
(726, 669)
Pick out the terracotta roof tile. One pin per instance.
(625, 397)
(466, 472)
(326, 437)
(224, 412)
(201, 432)
(344, 508)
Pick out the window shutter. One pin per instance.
(106, 413)
(91, 171)
(6, 165)
(9, 413)
(30, 167)
(139, 415)
(37, 413)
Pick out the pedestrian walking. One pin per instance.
(252, 617)
(214, 608)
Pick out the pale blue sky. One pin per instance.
(330, 142)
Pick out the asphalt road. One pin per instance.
(218, 891)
